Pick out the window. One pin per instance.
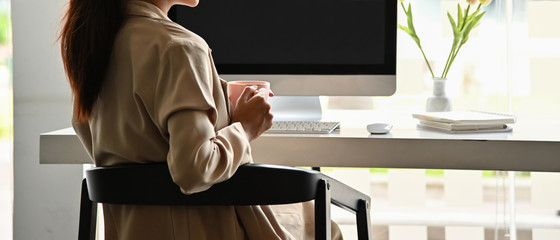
(509, 64)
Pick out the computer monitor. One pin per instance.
(305, 48)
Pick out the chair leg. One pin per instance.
(88, 215)
(323, 211)
(363, 221)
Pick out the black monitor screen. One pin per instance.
(296, 36)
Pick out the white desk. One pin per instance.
(534, 145)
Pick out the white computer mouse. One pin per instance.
(379, 128)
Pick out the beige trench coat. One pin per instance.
(162, 100)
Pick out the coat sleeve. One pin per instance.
(199, 154)
(84, 133)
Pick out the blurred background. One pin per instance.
(6, 121)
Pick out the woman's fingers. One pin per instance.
(248, 93)
(253, 112)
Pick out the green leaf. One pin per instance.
(410, 23)
(465, 16)
(460, 19)
(409, 9)
(404, 28)
(411, 34)
(474, 22)
(453, 26)
(464, 40)
(470, 17)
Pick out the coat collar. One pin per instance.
(144, 9)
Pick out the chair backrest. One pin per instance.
(151, 184)
(252, 184)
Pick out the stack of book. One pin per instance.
(465, 121)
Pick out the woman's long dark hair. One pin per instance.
(87, 38)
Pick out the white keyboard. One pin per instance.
(303, 127)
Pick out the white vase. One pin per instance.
(438, 102)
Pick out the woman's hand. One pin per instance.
(253, 112)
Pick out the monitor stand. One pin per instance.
(296, 108)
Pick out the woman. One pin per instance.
(146, 90)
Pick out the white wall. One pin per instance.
(46, 197)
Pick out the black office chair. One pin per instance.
(151, 184)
